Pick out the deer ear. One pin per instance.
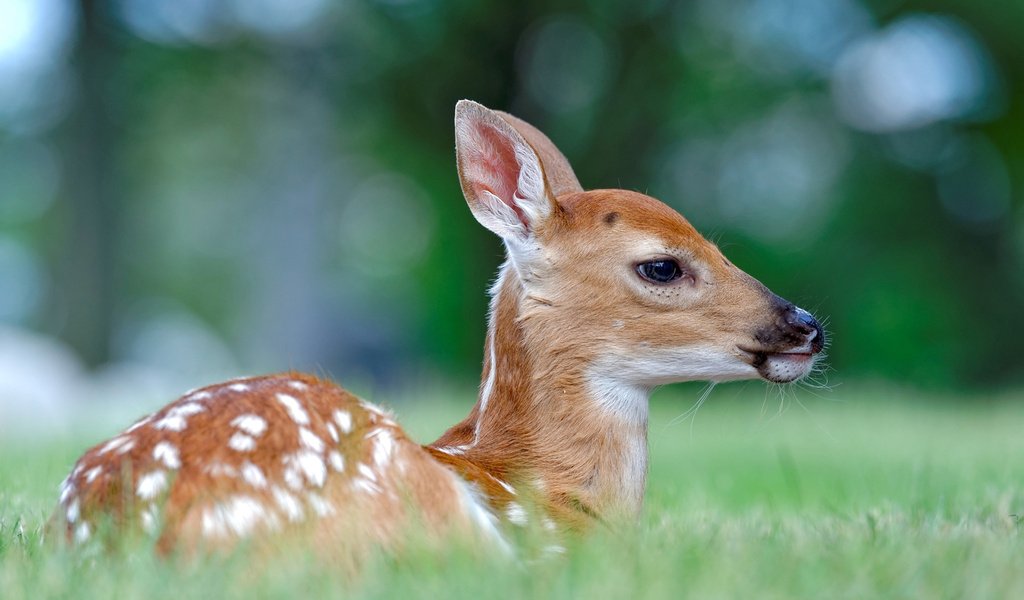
(501, 174)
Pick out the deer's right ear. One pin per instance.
(501, 175)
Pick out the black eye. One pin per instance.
(660, 271)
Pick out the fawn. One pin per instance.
(604, 295)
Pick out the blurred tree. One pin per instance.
(87, 269)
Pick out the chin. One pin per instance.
(786, 367)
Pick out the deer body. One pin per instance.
(605, 295)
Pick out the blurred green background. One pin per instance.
(192, 189)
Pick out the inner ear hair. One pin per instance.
(560, 177)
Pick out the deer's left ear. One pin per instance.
(501, 175)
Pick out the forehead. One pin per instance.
(625, 213)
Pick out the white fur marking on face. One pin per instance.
(344, 421)
(310, 465)
(252, 424)
(82, 533)
(294, 408)
(151, 484)
(310, 440)
(241, 442)
(288, 504)
(651, 366)
(252, 475)
(337, 461)
(166, 453)
(92, 474)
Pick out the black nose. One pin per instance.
(803, 323)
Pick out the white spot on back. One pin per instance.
(310, 440)
(238, 515)
(298, 385)
(365, 485)
(504, 485)
(292, 477)
(294, 408)
(72, 513)
(139, 423)
(199, 396)
(219, 469)
(114, 444)
(476, 509)
(366, 472)
(452, 450)
(151, 484)
(82, 533)
(241, 442)
(344, 420)
(253, 475)
(516, 514)
(288, 504)
(167, 453)
(66, 489)
(337, 460)
(238, 387)
(171, 423)
(185, 410)
(383, 447)
(320, 506)
(252, 424)
(309, 464)
(92, 474)
(149, 518)
(332, 431)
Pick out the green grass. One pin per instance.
(865, 493)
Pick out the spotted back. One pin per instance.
(250, 456)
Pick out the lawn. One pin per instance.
(854, 493)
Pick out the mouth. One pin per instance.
(781, 367)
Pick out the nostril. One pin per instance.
(801, 320)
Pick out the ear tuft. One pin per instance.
(501, 175)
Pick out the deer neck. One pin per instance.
(546, 421)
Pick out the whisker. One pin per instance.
(692, 411)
